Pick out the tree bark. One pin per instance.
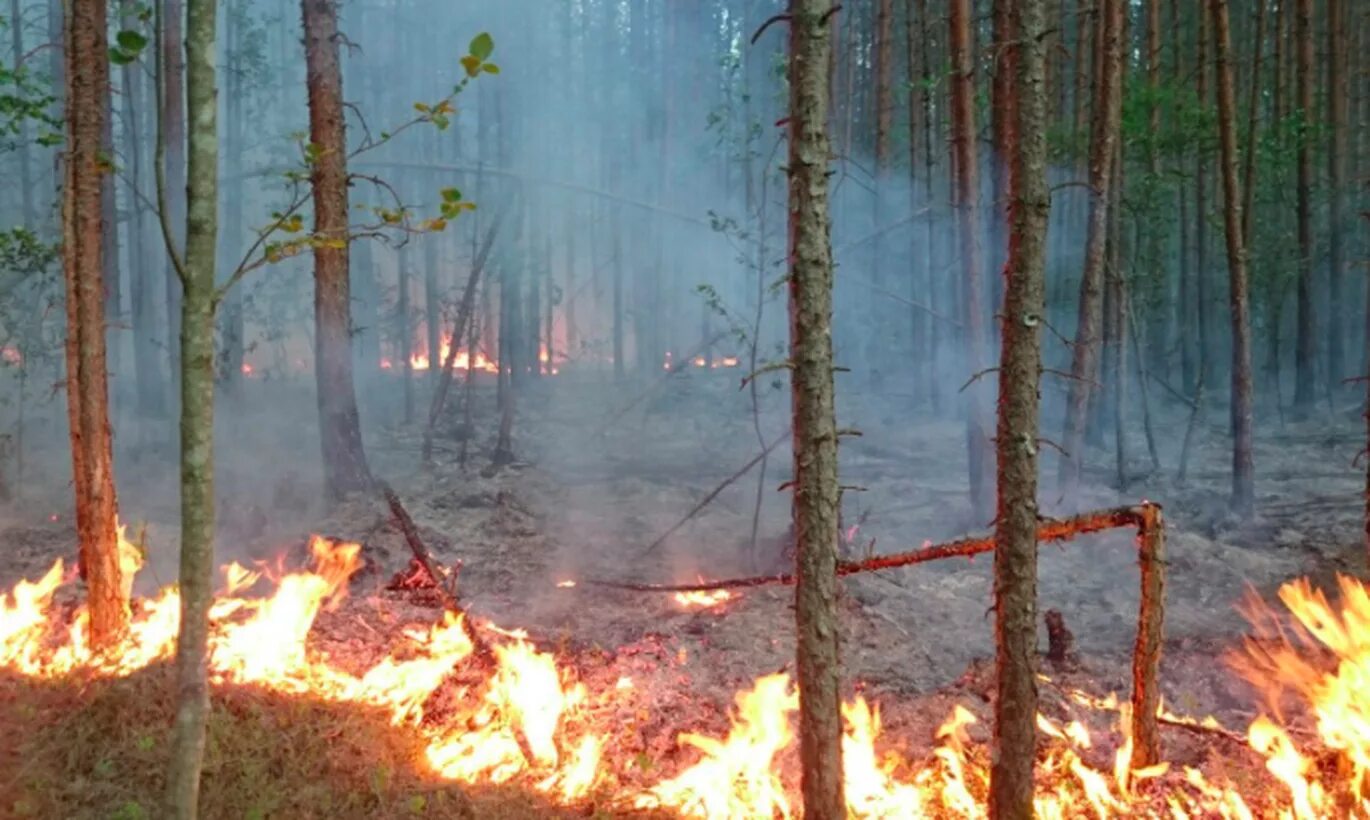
(814, 414)
(1305, 345)
(1337, 93)
(344, 460)
(1207, 350)
(197, 416)
(1015, 535)
(1103, 137)
(23, 147)
(231, 358)
(967, 188)
(172, 113)
(87, 92)
(1243, 481)
(147, 367)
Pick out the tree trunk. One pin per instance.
(87, 92)
(1015, 532)
(109, 236)
(172, 115)
(231, 357)
(1337, 93)
(1208, 366)
(981, 457)
(404, 346)
(814, 414)
(147, 365)
(1243, 486)
(197, 418)
(1085, 353)
(344, 460)
(1305, 345)
(1252, 117)
(933, 376)
(24, 149)
(1002, 125)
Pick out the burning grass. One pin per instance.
(299, 732)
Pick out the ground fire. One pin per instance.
(527, 720)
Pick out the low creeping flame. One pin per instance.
(530, 720)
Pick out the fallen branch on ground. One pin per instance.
(425, 559)
(1048, 530)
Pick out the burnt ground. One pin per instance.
(593, 488)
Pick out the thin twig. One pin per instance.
(704, 502)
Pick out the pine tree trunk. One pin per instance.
(1103, 137)
(1337, 93)
(344, 460)
(814, 416)
(1002, 127)
(147, 365)
(231, 357)
(1305, 344)
(173, 126)
(1243, 474)
(404, 337)
(24, 149)
(87, 92)
(197, 418)
(1207, 351)
(1015, 532)
(1252, 117)
(967, 189)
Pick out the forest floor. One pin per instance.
(590, 492)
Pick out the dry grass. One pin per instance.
(88, 748)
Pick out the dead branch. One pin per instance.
(1048, 530)
(775, 18)
(704, 502)
(425, 558)
(468, 299)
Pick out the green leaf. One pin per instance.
(451, 195)
(481, 46)
(471, 64)
(490, 68)
(131, 41)
(118, 56)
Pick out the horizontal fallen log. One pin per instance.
(1048, 530)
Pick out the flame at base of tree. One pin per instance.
(527, 720)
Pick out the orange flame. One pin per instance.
(531, 721)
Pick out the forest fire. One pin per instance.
(529, 722)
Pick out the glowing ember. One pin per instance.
(566, 584)
(530, 720)
(703, 599)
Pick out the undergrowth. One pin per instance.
(96, 748)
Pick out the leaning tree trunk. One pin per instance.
(198, 303)
(87, 92)
(1085, 352)
(814, 415)
(344, 460)
(1020, 367)
(1243, 479)
(967, 188)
